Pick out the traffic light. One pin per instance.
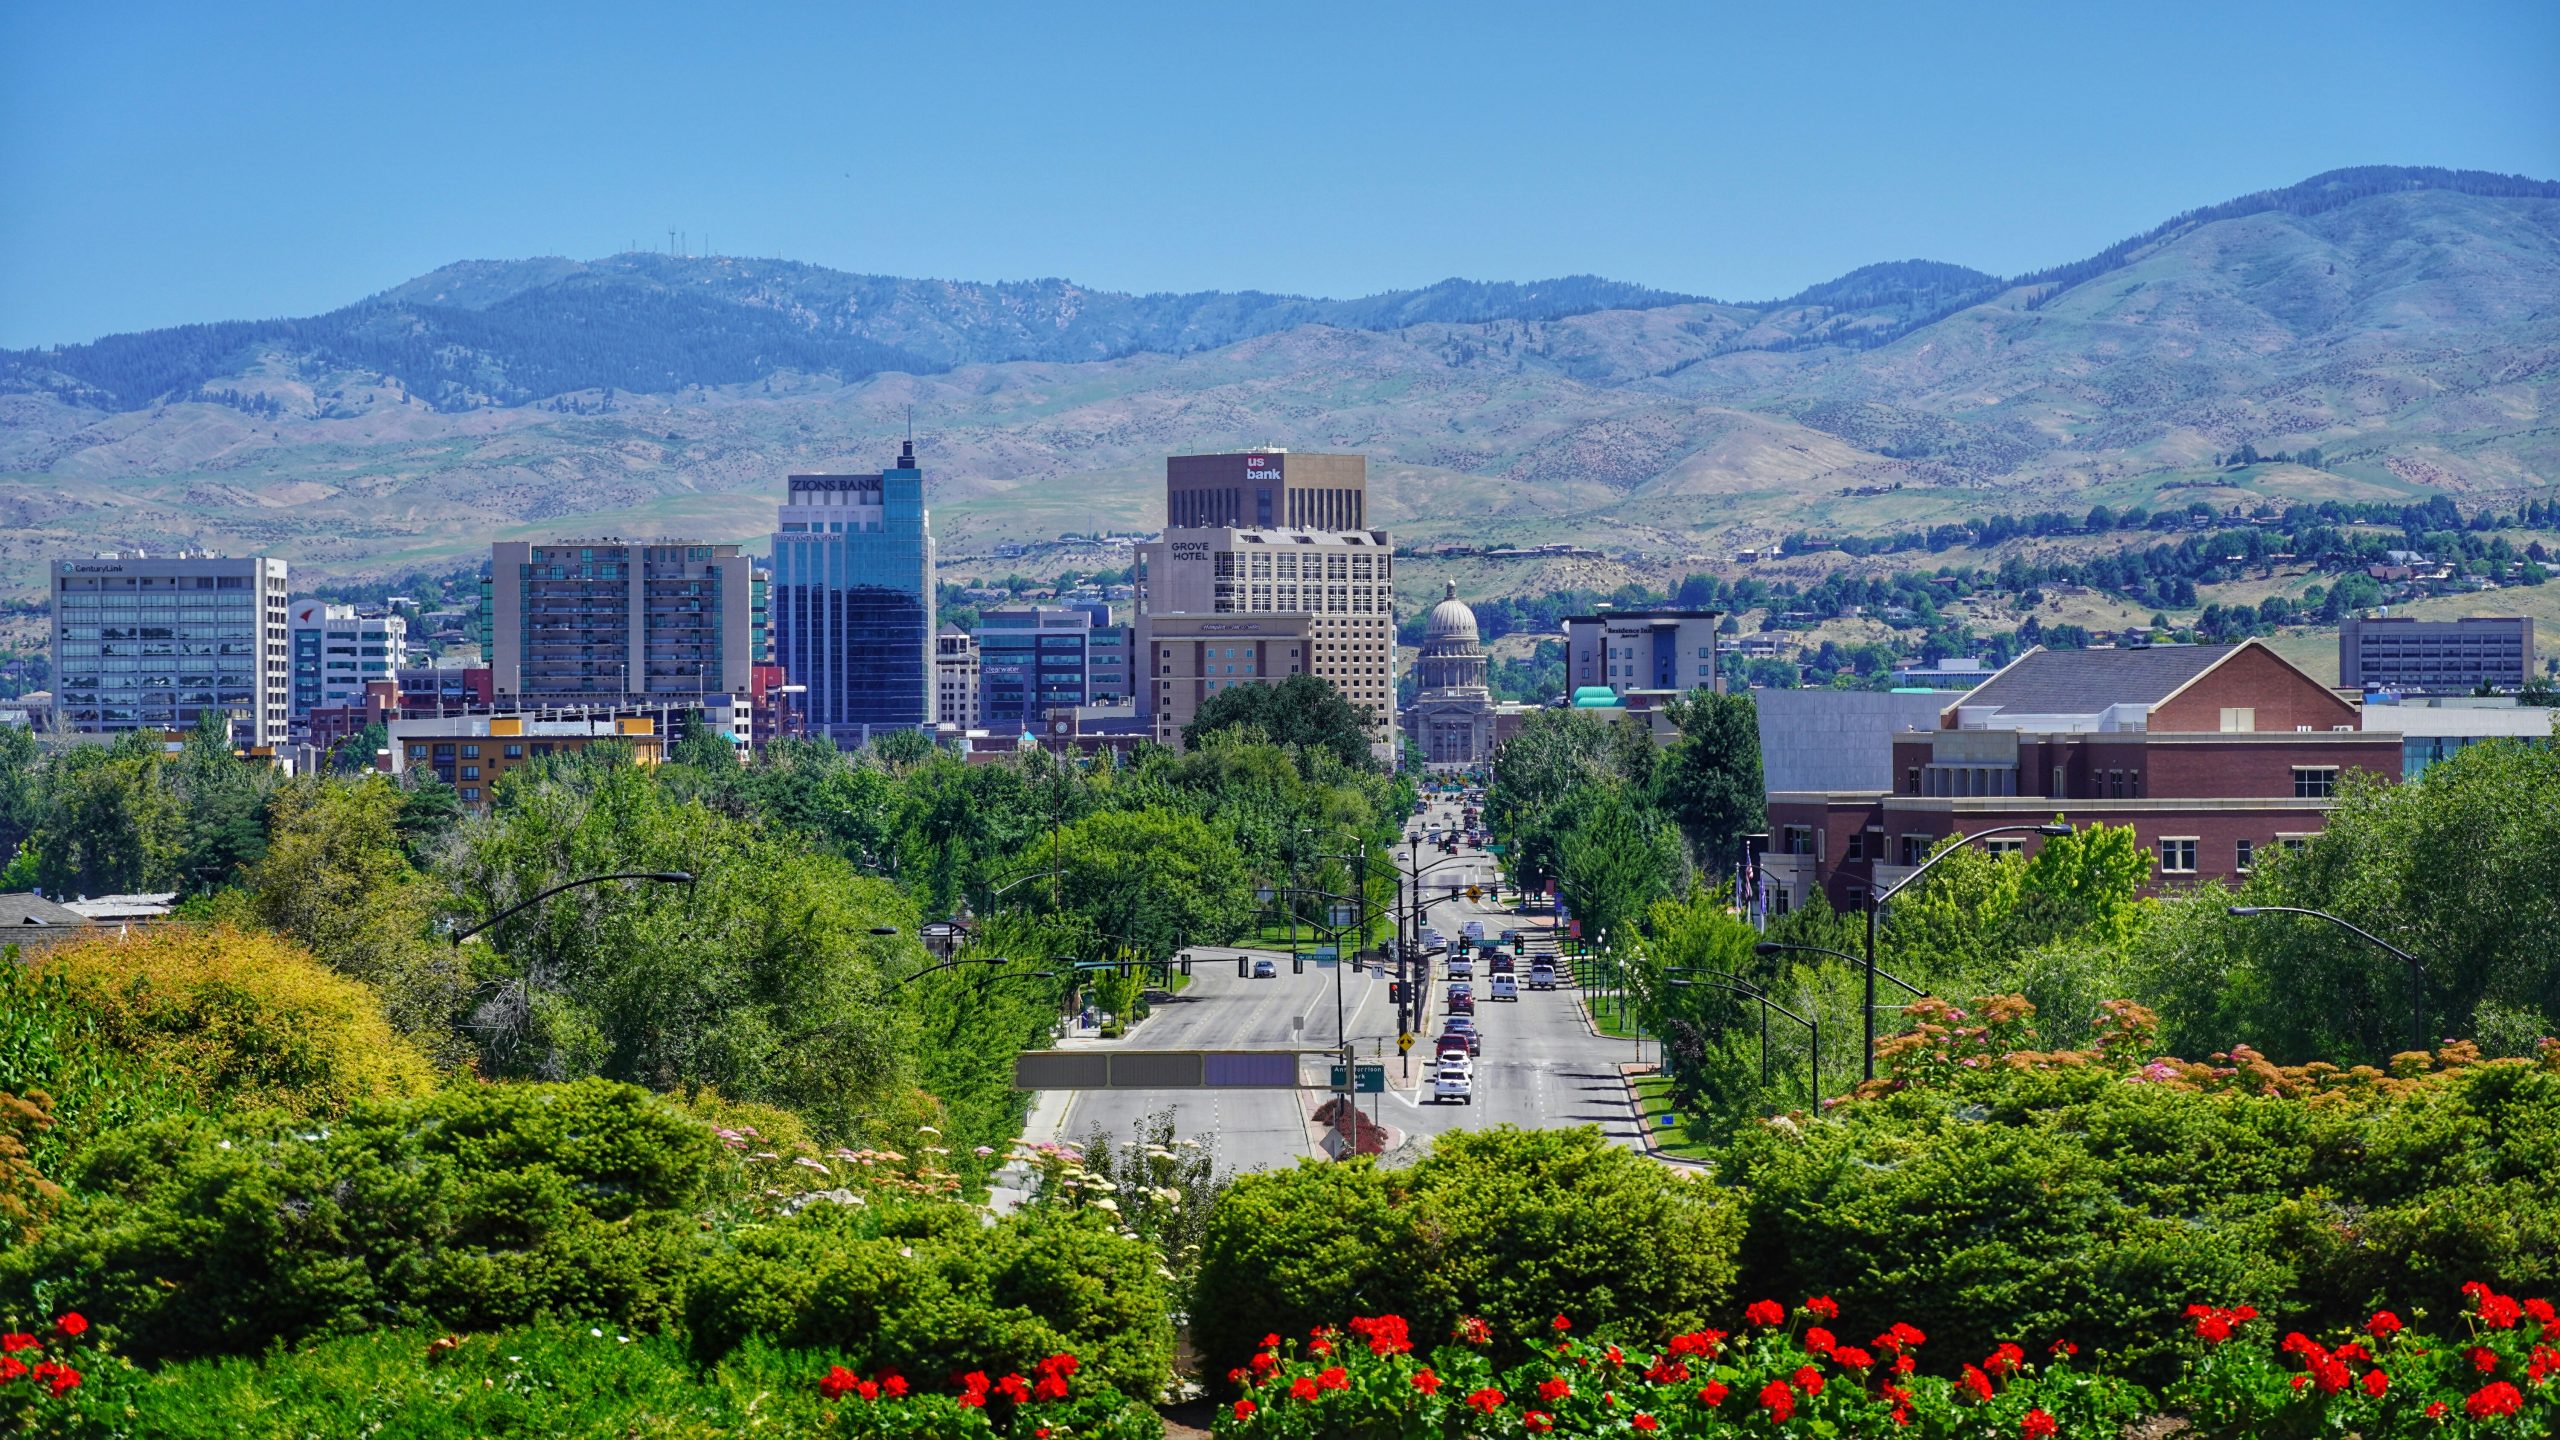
(1186, 962)
(1297, 964)
(1124, 969)
(1395, 991)
(1240, 967)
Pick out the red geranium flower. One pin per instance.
(1302, 1388)
(1713, 1393)
(2493, 1400)
(1015, 1388)
(1851, 1357)
(839, 1382)
(2382, 1325)
(72, 1326)
(2435, 1409)
(11, 1367)
(1270, 1342)
(11, 1344)
(1554, 1389)
(1333, 1377)
(1050, 1387)
(1808, 1380)
(1426, 1382)
(2483, 1359)
(63, 1379)
(894, 1384)
(1474, 1331)
(1697, 1342)
(2063, 1349)
(1537, 1422)
(2375, 1382)
(1823, 1307)
(1975, 1383)
(1818, 1341)
(1764, 1313)
(1245, 1409)
(2037, 1425)
(1560, 1324)
(1487, 1399)
(1779, 1400)
(1642, 1421)
(2004, 1359)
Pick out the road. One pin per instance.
(1541, 1066)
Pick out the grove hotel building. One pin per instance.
(1265, 570)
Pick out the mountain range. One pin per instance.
(2404, 323)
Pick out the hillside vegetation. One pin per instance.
(2399, 323)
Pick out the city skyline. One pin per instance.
(1738, 156)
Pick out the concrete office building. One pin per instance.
(955, 678)
(1640, 650)
(581, 620)
(1036, 658)
(853, 600)
(472, 753)
(1234, 599)
(2396, 652)
(152, 642)
(337, 652)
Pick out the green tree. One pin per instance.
(1304, 711)
(110, 826)
(223, 799)
(1710, 783)
(1153, 879)
(22, 783)
(1618, 859)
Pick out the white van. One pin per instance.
(1505, 987)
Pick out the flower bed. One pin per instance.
(1791, 1372)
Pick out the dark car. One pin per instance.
(1465, 1025)
(1502, 964)
(1461, 1003)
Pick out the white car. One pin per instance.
(1454, 1080)
(1505, 987)
(1265, 970)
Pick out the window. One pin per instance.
(1799, 839)
(470, 752)
(1912, 778)
(470, 772)
(2178, 857)
(2315, 782)
(2005, 845)
(515, 752)
(1857, 845)
(2243, 853)
(2239, 718)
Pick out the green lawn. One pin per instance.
(1653, 1099)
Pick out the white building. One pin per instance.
(1639, 650)
(336, 650)
(955, 677)
(151, 642)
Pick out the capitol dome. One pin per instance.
(1452, 657)
(1451, 623)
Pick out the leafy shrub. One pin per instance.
(930, 1289)
(472, 1208)
(2096, 1194)
(237, 1018)
(1494, 1223)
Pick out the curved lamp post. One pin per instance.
(2417, 967)
(663, 877)
(1813, 1027)
(1772, 947)
(1877, 901)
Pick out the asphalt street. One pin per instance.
(1541, 1066)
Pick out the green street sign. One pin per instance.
(1372, 1078)
(1495, 848)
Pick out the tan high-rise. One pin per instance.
(1266, 569)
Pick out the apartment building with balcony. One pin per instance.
(586, 620)
(2211, 754)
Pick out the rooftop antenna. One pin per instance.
(671, 239)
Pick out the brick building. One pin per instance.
(2210, 753)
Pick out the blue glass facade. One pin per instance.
(852, 600)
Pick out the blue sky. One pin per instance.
(195, 162)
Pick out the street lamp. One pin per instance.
(2417, 967)
(1772, 947)
(1876, 904)
(662, 877)
(1813, 1027)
